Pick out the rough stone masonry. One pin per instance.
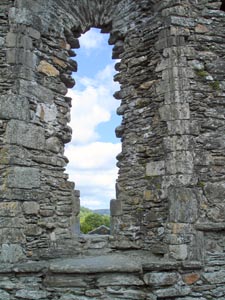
(168, 219)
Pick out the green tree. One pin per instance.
(90, 220)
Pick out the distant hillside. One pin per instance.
(102, 211)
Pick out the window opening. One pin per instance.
(94, 146)
(222, 5)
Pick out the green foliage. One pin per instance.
(215, 85)
(90, 220)
(201, 73)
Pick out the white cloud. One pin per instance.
(92, 39)
(93, 169)
(97, 155)
(92, 105)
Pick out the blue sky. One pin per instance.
(94, 145)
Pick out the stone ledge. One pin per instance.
(99, 264)
(210, 226)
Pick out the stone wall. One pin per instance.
(168, 218)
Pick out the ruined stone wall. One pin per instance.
(168, 218)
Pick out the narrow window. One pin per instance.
(92, 152)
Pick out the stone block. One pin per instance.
(173, 292)
(36, 91)
(178, 252)
(47, 69)
(11, 236)
(24, 134)
(215, 192)
(180, 162)
(23, 177)
(4, 295)
(31, 294)
(12, 222)
(10, 209)
(53, 144)
(47, 112)
(183, 204)
(14, 107)
(118, 280)
(178, 127)
(191, 278)
(115, 207)
(217, 277)
(11, 253)
(21, 56)
(31, 208)
(176, 111)
(64, 281)
(177, 143)
(173, 97)
(98, 264)
(161, 278)
(155, 168)
(16, 40)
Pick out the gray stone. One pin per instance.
(183, 205)
(117, 280)
(174, 292)
(31, 208)
(11, 253)
(64, 281)
(106, 263)
(14, 107)
(26, 178)
(179, 252)
(24, 134)
(173, 112)
(69, 296)
(31, 294)
(214, 192)
(155, 168)
(4, 295)
(216, 277)
(53, 144)
(161, 278)
(115, 207)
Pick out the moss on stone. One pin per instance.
(215, 85)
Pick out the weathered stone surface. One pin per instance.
(179, 252)
(215, 277)
(24, 134)
(183, 204)
(116, 280)
(11, 253)
(4, 295)
(31, 294)
(47, 69)
(155, 168)
(14, 107)
(31, 208)
(161, 279)
(27, 178)
(173, 292)
(115, 207)
(65, 281)
(108, 263)
(191, 278)
(10, 209)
